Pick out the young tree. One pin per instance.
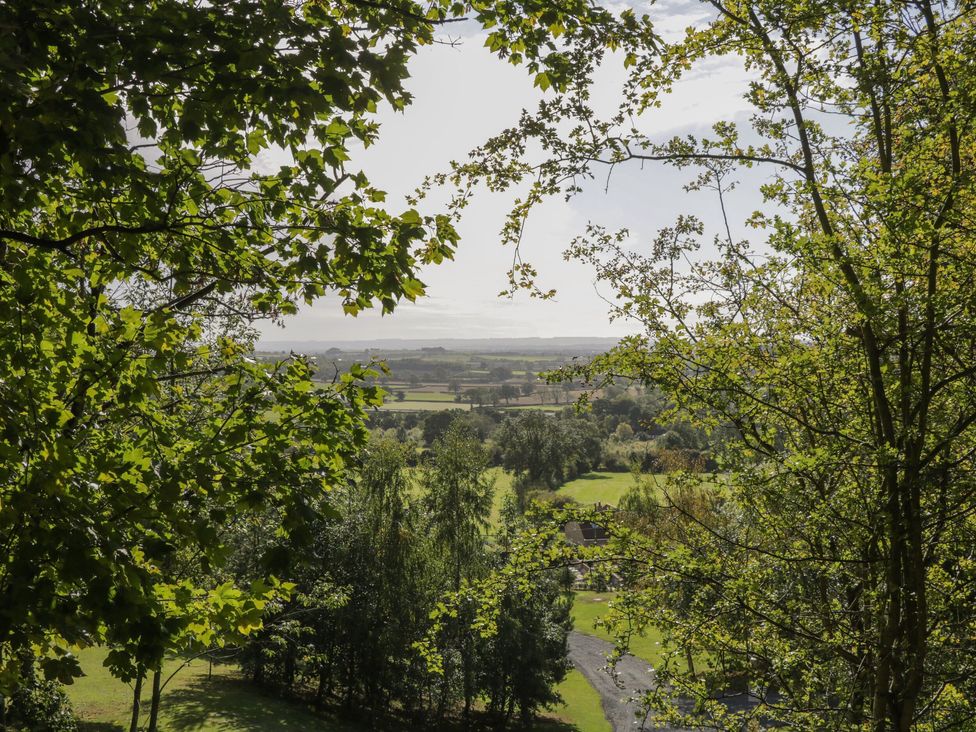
(457, 499)
(457, 496)
(508, 392)
(841, 348)
(523, 661)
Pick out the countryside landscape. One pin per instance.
(469, 365)
(217, 691)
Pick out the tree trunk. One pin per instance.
(154, 705)
(136, 694)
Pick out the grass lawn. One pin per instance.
(190, 703)
(588, 606)
(580, 708)
(602, 487)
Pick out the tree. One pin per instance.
(544, 452)
(500, 373)
(135, 214)
(530, 447)
(840, 349)
(457, 495)
(624, 432)
(508, 392)
(524, 660)
(457, 499)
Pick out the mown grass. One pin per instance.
(192, 702)
(588, 607)
(581, 708)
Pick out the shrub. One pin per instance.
(41, 706)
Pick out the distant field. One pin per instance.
(598, 487)
(432, 401)
(603, 487)
(425, 406)
(429, 396)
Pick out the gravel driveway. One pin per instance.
(620, 703)
(621, 700)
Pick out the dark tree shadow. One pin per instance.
(100, 727)
(241, 706)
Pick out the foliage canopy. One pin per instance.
(170, 171)
(836, 575)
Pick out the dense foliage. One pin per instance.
(836, 573)
(170, 171)
(377, 571)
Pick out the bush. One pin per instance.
(41, 706)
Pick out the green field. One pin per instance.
(428, 396)
(601, 487)
(430, 406)
(503, 488)
(191, 702)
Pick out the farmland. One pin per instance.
(423, 378)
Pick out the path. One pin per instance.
(634, 676)
(589, 655)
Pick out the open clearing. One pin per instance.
(191, 702)
(598, 487)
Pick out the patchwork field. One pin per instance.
(422, 406)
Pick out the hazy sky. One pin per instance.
(463, 95)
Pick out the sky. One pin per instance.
(463, 95)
